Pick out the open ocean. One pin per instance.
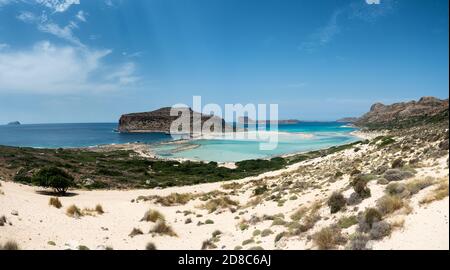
(291, 140)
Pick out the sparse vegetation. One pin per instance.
(55, 202)
(347, 222)
(336, 202)
(397, 175)
(150, 246)
(9, 245)
(74, 211)
(223, 202)
(135, 232)
(162, 228)
(439, 193)
(153, 216)
(327, 238)
(389, 204)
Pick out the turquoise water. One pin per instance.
(71, 135)
(291, 139)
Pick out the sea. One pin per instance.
(292, 138)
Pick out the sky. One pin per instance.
(64, 61)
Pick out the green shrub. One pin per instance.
(347, 222)
(54, 178)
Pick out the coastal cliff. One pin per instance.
(405, 114)
(160, 121)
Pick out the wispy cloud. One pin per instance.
(58, 5)
(368, 11)
(44, 24)
(49, 69)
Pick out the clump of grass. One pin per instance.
(439, 193)
(336, 202)
(174, 199)
(358, 241)
(208, 244)
(99, 209)
(415, 186)
(150, 246)
(266, 232)
(216, 233)
(298, 214)
(243, 225)
(260, 190)
(347, 222)
(279, 236)
(10, 245)
(368, 218)
(2, 221)
(209, 221)
(74, 211)
(248, 241)
(278, 222)
(55, 202)
(219, 203)
(256, 232)
(389, 204)
(162, 228)
(232, 185)
(135, 232)
(153, 216)
(327, 238)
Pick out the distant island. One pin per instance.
(14, 123)
(347, 120)
(249, 121)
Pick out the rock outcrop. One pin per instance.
(405, 113)
(161, 121)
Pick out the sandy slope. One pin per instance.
(37, 223)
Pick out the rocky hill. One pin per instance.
(405, 114)
(160, 121)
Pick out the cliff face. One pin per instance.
(405, 113)
(161, 121)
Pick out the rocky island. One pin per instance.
(14, 123)
(160, 121)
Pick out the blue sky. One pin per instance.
(91, 61)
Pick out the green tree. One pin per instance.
(53, 177)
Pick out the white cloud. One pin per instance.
(357, 10)
(46, 26)
(81, 15)
(49, 69)
(58, 5)
(323, 35)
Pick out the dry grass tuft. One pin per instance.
(219, 203)
(327, 238)
(55, 202)
(439, 193)
(389, 204)
(74, 211)
(162, 228)
(150, 246)
(99, 209)
(153, 216)
(10, 245)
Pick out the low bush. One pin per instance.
(358, 241)
(336, 202)
(54, 178)
(397, 175)
(327, 238)
(347, 222)
(380, 230)
(135, 232)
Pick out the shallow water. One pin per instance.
(292, 138)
